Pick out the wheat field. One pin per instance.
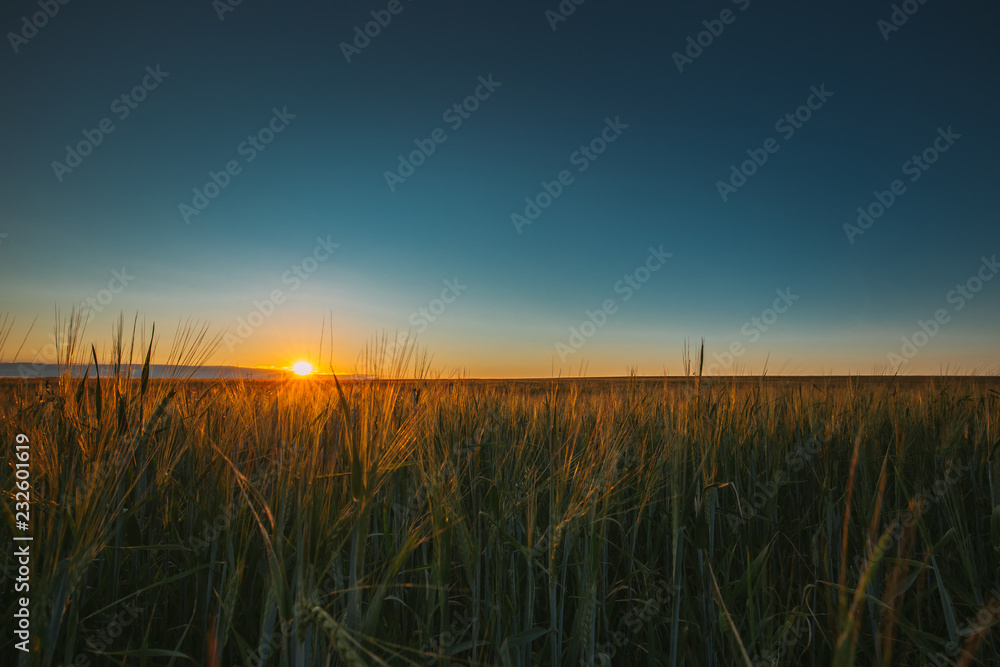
(402, 519)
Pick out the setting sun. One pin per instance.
(302, 368)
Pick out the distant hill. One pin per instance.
(27, 370)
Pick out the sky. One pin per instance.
(525, 189)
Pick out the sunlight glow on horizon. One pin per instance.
(303, 368)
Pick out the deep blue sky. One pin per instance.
(323, 176)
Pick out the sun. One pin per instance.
(303, 368)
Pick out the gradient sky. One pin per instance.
(323, 176)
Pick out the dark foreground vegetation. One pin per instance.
(629, 522)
